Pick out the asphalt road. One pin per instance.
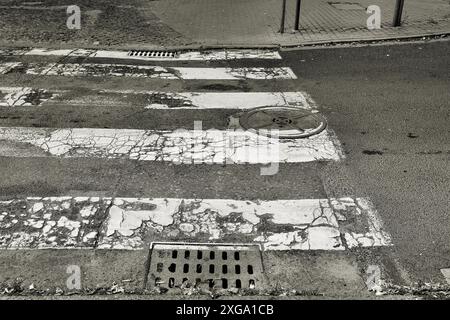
(388, 106)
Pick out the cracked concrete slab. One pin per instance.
(179, 146)
(133, 223)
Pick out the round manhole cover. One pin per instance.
(283, 122)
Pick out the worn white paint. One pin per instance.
(152, 72)
(12, 52)
(59, 52)
(207, 55)
(179, 146)
(236, 73)
(305, 224)
(7, 66)
(14, 96)
(446, 274)
(22, 96)
(233, 100)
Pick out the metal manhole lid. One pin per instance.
(219, 266)
(283, 122)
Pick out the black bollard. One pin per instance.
(297, 15)
(398, 13)
(283, 14)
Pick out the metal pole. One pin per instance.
(283, 13)
(297, 15)
(398, 13)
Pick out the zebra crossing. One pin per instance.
(113, 222)
(205, 55)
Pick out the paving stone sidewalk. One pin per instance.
(178, 23)
(253, 22)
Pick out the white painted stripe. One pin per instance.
(152, 72)
(16, 96)
(446, 274)
(180, 146)
(232, 100)
(59, 52)
(207, 55)
(8, 66)
(236, 73)
(12, 52)
(124, 223)
(24, 96)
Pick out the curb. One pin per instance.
(375, 40)
(275, 46)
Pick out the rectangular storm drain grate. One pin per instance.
(152, 53)
(219, 266)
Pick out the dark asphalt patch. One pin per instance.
(373, 152)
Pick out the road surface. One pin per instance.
(102, 156)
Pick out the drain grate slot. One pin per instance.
(152, 53)
(219, 266)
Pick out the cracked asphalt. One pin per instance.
(388, 106)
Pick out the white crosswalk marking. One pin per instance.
(181, 146)
(122, 223)
(24, 97)
(17, 96)
(307, 224)
(151, 72)
(213, 55)
(8, 66)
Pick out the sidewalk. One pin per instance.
(255, 22)
(146, 24)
